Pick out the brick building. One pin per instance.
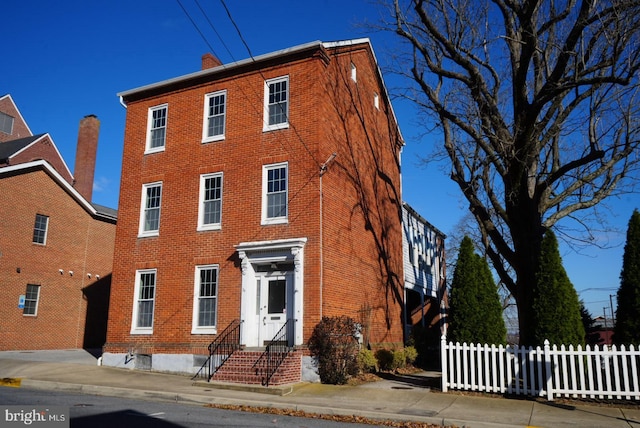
(56, 248)
(266, 191)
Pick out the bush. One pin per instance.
(367, 362)
(385, 359)
(411, 354)
(399, 359)
(334, 344)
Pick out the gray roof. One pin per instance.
(9, 148)
(109, 212)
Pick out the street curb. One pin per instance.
(197, 399)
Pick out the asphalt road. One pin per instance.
(89, 411)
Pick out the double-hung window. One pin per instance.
(144, 302)
(40, 229)
(150, 212)
(31, 300)
(157, 129)
(215, 107)
(210, 209)
(276, 103)
(205, 303)
(275, 193)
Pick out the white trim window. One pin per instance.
(150, 212)
(144, 302)
(276, 103)
(210, 207)
(215, 113)
(205, 300)
(156, 129)
(40, 229)
(275, 193)
(354, 72)
(31, 298)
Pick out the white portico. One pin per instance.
(272, 289)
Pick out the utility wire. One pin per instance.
(196, 27)
(214, 30)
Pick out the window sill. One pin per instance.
(203, 330)
(266, 222)
(154, 150)
(208, 228)
(213, 139)
(138, 331)
(275, 127)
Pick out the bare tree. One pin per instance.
(537, 105)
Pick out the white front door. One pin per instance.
(275, 304)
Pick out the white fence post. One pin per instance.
(548, 370)
(443, 359)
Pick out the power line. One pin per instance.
(196, 27)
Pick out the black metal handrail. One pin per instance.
(221, 349)
(275, 353)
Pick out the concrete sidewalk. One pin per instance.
(403, 398)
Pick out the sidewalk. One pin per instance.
(405, 398)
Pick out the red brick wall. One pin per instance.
(44, 149)
(179, 247)
(363, 235)
(75, 242)
(20, 129)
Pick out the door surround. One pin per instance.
(258, 256)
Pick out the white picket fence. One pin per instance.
(605, 372)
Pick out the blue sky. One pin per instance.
(65, 60)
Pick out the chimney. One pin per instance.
(210, 61)
(86, 156)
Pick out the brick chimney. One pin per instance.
(210, 61)
(86, 156)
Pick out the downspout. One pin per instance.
(323, 169)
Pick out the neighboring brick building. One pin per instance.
(266, 190)
(56, 248)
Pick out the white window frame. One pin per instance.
(267, 85)
(148, 148)
(206, 138)
(376, 100)
(46, 229)
(135, 329)
(354, 72)
(202, 201)
(26, 299)
(196, 328)
(265, 176)
(143, 210)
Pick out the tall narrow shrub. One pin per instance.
(475, 312)
(627, 327)
(556, 307)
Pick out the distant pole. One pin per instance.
(613, 317)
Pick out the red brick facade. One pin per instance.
(343, 229)
(78, 243)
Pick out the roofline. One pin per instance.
(415, 213)
(38, 139)
(220, 68)
(60, 180)
(341, 43)
(18, 110)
